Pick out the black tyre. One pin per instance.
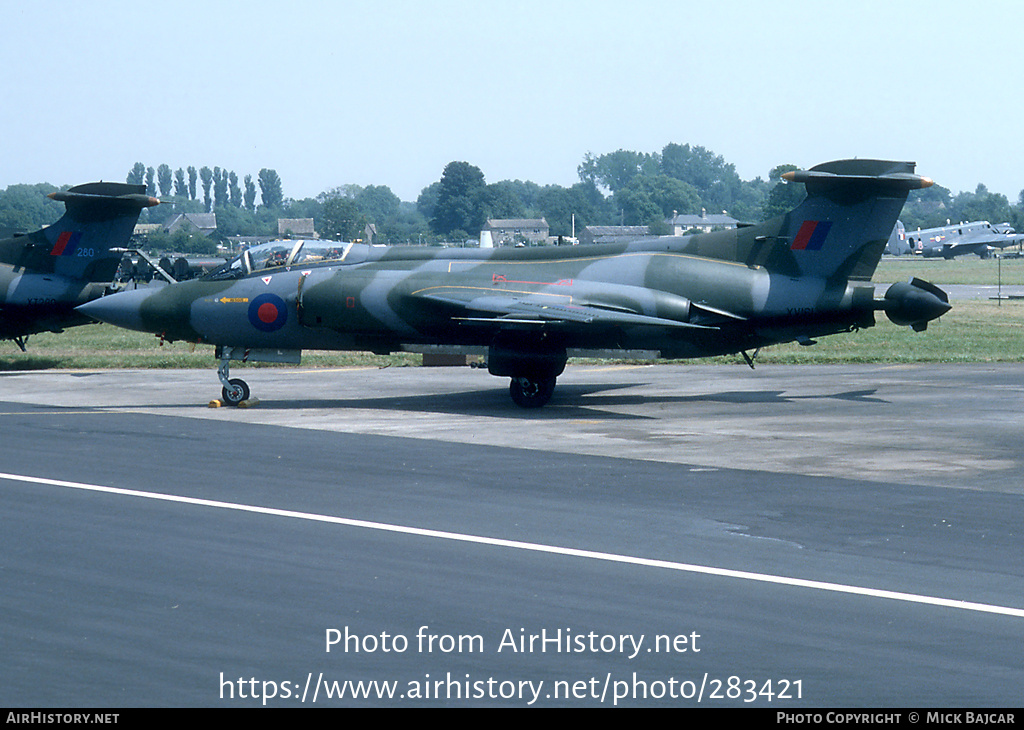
(531, 392)
(238, 392)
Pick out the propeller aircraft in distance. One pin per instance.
(799, 276)
(979, 237)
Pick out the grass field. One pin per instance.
(964, 270)
(974, 331)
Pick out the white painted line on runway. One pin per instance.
(533, 547)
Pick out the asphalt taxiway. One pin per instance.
(785, 537)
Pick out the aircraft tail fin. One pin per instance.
(840, 230)
(98, 217)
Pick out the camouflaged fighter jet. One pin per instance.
(800, 276)
(44, 275)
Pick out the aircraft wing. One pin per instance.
(988, 239)
(541, 310)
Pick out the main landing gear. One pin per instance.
(531, 392)
(533, 368)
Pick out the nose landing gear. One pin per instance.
(235, 390)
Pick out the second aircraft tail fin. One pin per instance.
(98, 217)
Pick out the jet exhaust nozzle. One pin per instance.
(915, 303)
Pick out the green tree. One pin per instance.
(232, 221)
(220, 188)
(137, 176)
(502, 193)
(711, 176)
(1017, 213)
(164, 178)
(181, 241)
(426, 203)
(180, 187)
(582, 203)
(616, 170)
(981, 205)
(650, 199)
(150, 181)
(235, 191)
(250, 194)
(377, 203)
(304, 208)
(341, 219)
(750, 201)
(501, 201)
(460, 200)
(206, 175)
(270, 188)
(408, 226)
(26, 208)
(784, 196)
(927, 208)
(637, 206)
(191, 183)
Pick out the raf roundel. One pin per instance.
(268, 312)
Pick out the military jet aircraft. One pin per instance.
(44, 275)
(799, 276)
(978, 237)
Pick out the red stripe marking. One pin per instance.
(62, 242)
(803, 237)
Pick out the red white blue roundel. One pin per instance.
(268, 312)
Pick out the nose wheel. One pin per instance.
(235, 390)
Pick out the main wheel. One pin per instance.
(238, 392)
(531, 392)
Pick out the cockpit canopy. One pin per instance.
(283, 254)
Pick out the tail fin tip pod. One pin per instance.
(100, 200)
(878, 174)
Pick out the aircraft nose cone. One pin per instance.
(123, 309)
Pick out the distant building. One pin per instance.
(204, 223)
(511, 231)
(613, 234)
(144, 229)
(295, 228)
(705, 223)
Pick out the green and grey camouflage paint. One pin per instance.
(796, 277)
(45, 274)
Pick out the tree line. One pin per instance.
(220, 187)
(624, 187)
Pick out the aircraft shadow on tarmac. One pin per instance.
(570, 401)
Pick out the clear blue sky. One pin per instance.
(387, 92)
